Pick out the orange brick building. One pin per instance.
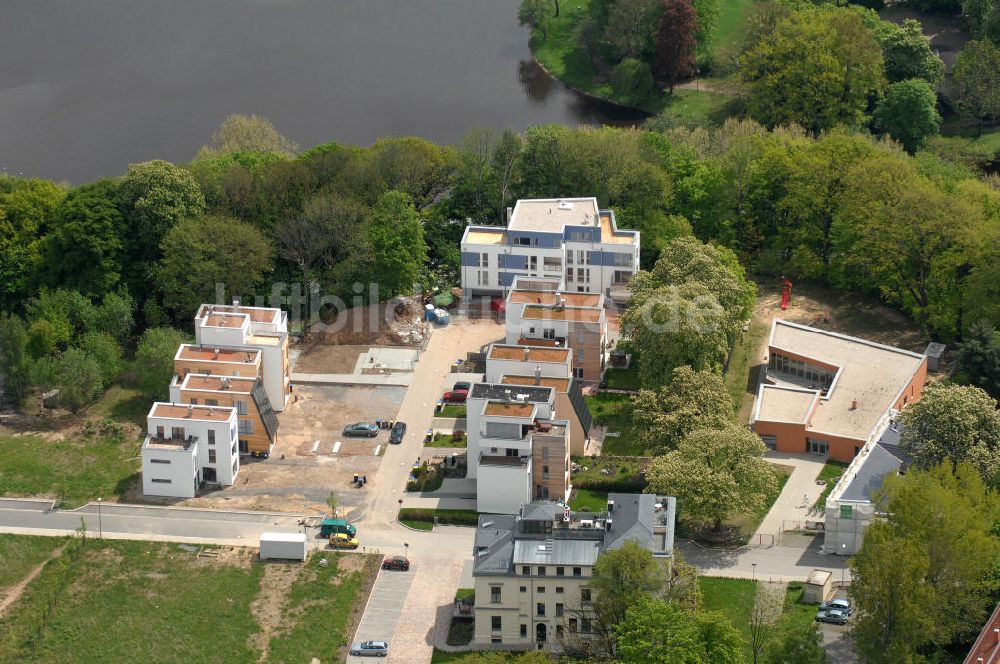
(828, 393)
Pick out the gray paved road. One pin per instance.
(385, 606)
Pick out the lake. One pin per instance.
(89, 86)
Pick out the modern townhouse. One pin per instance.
(186, 445)
(208, 361)
(235, 327)
(502, 360)
(517, 448)
(571, 239)
(257, 422)
(569, 404)
(533, 570)
(539, 313)
(831, 394)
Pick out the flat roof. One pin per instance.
(495, 392)
(559, 384)
(552, 214)
(236, 384)
(786, 404)
(177, 445)
(533, 312)
(212, 354)
(504, 409)
(533, 355)
(256, 314)
(611, 235)
(486, 236)
(266, 339)
(556, 552)
(176, 411)
(225, 320)
(870, 374)
(550, 298)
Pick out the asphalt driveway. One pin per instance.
(385, 605)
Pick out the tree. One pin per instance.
(201, 253)
(953, 422)
(631, 27)
(675, 42)
(67, 313)
(977, 79)
(908, 113)
(819, 68)
(657, 632)
(105, 351)
(632, 80)
(76, 375)
(979, 357)
(332, 501)
(115, 316)
(15, 363)
(984, 19)
(924, 576)
(535, 13)
(154, 360)
(795, 642)
(907, 52)
(691, 400)
(398, 250)
(26, 205)
(247, 133)
(715, 474)
(304, 240)
(720, 642)
(84, 249)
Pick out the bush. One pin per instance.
(451, 517)
(633, 80)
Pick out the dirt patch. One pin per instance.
(323, 358)
(14, 592)
(268, 608)
(369, 566)
(385, 324)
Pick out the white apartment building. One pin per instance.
(186, 445)
(532, 570)
(262, 328)
(503, 360)
(571, 239)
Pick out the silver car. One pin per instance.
(370, 649)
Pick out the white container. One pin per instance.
(283, 546)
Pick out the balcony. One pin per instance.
(498, 460)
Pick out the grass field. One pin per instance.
(733, 598)
(417, 525)
(452, 410)
(20, 553)
(449, 440)
(615, 412)
(728, 26)
(75, 470)
(585, 500)
(739, 382)
(127, 601)
(830, 473)
(622, 379)
(125, 404)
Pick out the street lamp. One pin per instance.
(100, 526)
(406, 550)
(754, 570)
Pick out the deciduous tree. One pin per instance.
(977, 79)
(398, 249)
(907, 52)
(26, 205)
(691, 400)
(715, 474)
(536, 14)
(631, 27)
(248, 133)
(979, 357)
(15, 363)
(908, 113)
(675, 42)
(105, 351)
(154, 360)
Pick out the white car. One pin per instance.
(370, 649)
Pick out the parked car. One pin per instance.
(396, 562)
(331, 526)
(342, 541)
(834, 616)
(370, 649)
(397, 433)
(361, 429)
(838, 604)
(462, 385)
(455, 396)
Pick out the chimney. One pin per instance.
(510, 213)
(236, 303)
(216, 354)
(527, 354)
(854, 404)
(607, 525)
(190, 412)
(611, 506)
(538, 375)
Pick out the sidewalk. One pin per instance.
(798, 495)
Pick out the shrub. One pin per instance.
(633, 80)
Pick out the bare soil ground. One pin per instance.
(384, 324)
(322, 358)
(268, 607)
(297, 478)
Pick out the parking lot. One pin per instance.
(385, 605)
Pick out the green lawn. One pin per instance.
(615, 411)
(74, 470)
(734, 598)
(622, 379)
(462, 593)
(127, 601)
(794, 610)
(449, 440)
(830, 473)
(125, 404)
(20, 553)
(585, 500)
(739, 382)
(417, 525)
(695, 108)
(452, 410)
(426, 515)
(728, 26)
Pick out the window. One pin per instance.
(559, 631)
(552, 264)
(540, 609)
(495, 623)
(484, 260)
(244, 447)
(241, 407)
(549, 334)
(560, 571)
(580, 272)
(177, 433)
(816, 446)
(576, 571)
(622, 276)
(545, 472)
(211, 402)
(523, 241)
(559, 609)
(533, 263)
(619, 259)
(577, 372)
(495, 594)
(525, 570)
(770, 442)
(234, 447)
(246, 427)
(496, 640)
(159, 461)
(159, 432)
(541, 590)
(499, 279)
(579, 354)
(585, 595)
(541, 570)
(524, 631)
(572, 624)
(581, 258)
(524, 589)
(545, 453)
(585, 625)
(211, 456)
(194, 402)
(211, 437)
(569, 257)
(236, 465)
(569, 273)
(559, 590)
(484, 278)
(159, 481)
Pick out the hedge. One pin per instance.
(452, 517)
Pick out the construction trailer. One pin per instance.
(283, 546)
